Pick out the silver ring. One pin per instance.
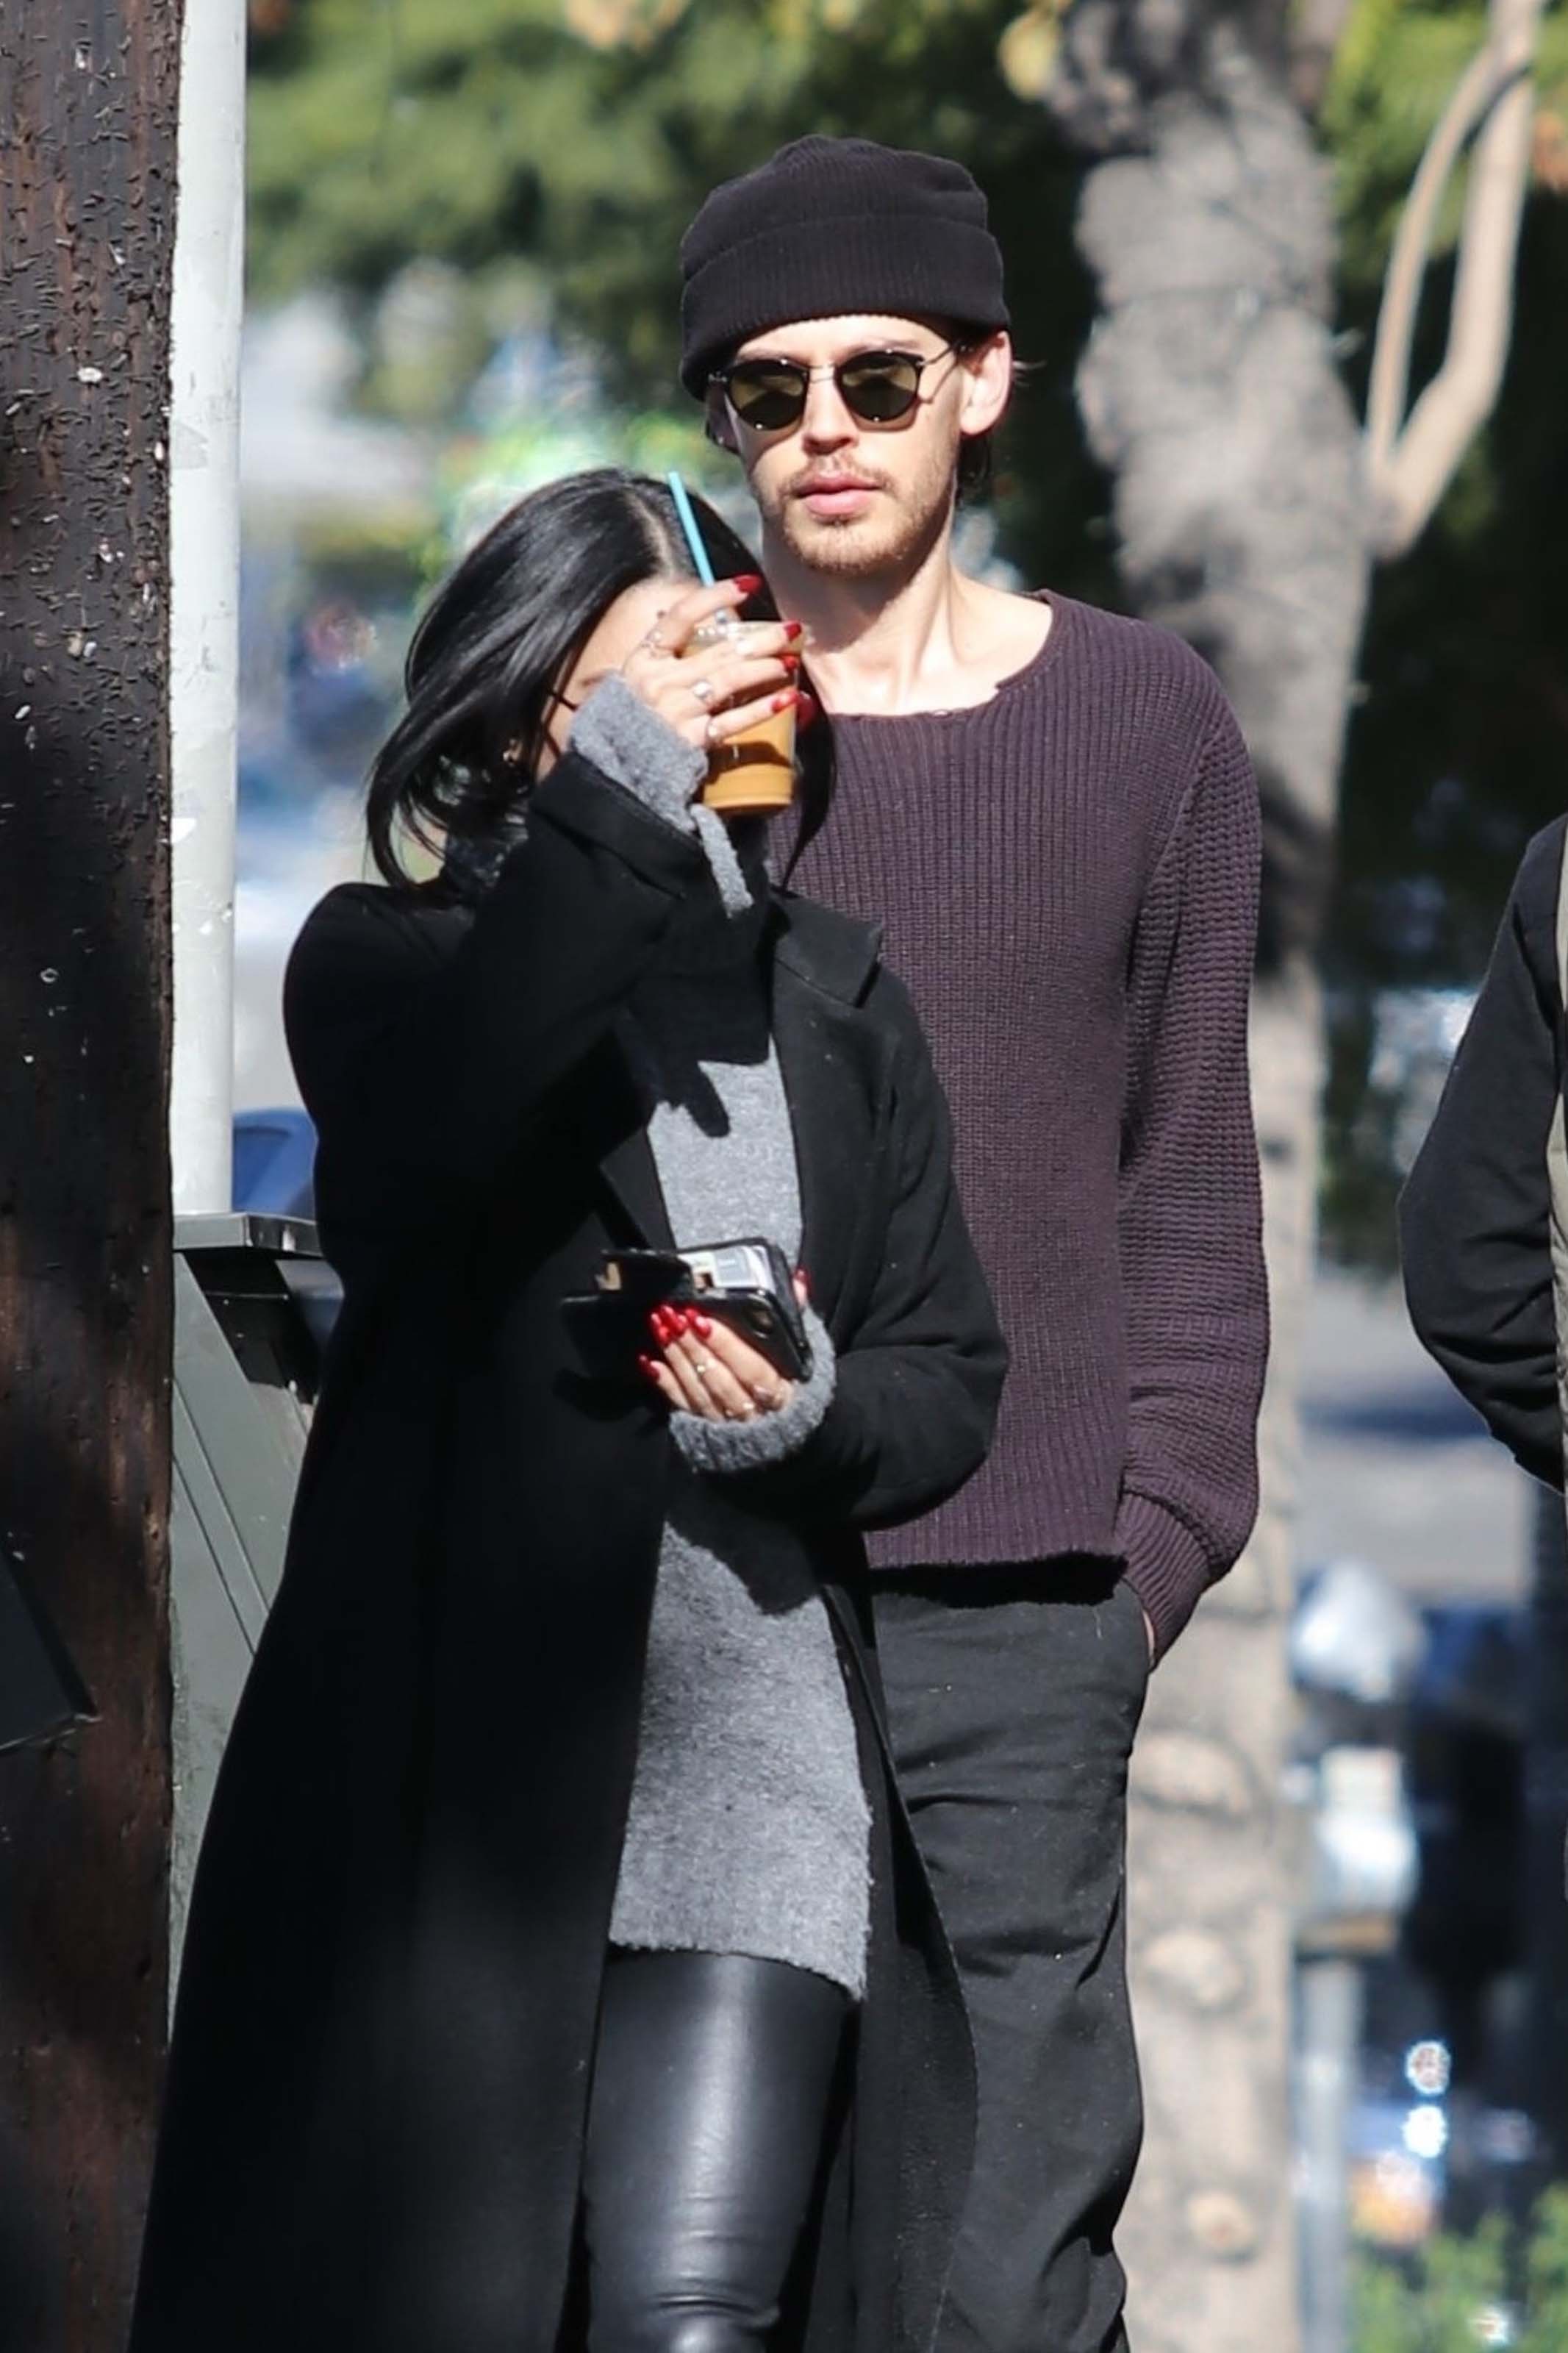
(702, 689)
(701, 1367)
(709, 737)
(654, 642)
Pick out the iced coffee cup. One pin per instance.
(751, 774)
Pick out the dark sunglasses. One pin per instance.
(878, 387)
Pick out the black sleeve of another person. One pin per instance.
(1475, 1216)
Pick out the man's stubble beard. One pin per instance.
(891, 543)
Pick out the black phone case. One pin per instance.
(609, 1328)
(754, 1315)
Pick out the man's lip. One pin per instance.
(831, 485)
(833, 502)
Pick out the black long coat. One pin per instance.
(386, 2015)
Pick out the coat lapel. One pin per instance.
(631, 1180)
(634, 1202)
(821, 964)
(820, 968)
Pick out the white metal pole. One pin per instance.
(204, 617)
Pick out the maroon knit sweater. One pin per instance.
(1067, 877)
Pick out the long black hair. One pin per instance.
(502, 631)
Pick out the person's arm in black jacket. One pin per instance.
(425, 1040)
(918, 1375)
(1475, 1216)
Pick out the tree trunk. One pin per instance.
(1210, 392)
(88, 90)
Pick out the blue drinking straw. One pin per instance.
(677, 492)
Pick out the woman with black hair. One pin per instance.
(560, 1970)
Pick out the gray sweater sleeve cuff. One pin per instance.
(631, 745)
(772, 1436)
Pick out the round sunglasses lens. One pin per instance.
(881, 387)
(767, 399)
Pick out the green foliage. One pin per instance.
(1396, 65)
(1546, 2275)
(485, 134)
(1454, 2295)
(1458, 746)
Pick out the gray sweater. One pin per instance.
(748, 1828)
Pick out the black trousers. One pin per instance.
(712, 2077)
(1014, 1696)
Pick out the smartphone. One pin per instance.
(747, 1283)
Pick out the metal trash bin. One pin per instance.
(254, 1303)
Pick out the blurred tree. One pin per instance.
(1249, 508)
(490, 134)
(1458, 737)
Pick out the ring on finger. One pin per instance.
(703, 690)
(712, 734)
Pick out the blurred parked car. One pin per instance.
(275, 1163)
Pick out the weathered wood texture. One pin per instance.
(87, 91)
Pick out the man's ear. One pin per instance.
(718, 423)
(989, 369)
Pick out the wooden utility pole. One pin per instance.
(88, 99)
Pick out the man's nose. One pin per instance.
(826, 422)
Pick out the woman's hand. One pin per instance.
(706, 1368)
(716, 693)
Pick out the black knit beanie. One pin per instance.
(828, 227)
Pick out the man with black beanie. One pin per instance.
(1052, 812)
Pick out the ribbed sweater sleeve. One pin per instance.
(1189, 1214)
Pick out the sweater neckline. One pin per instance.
(1004, 690)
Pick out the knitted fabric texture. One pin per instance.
(748, 1828)
(749, 1445)
(1067, 878)
(829, 226)
(630, 743)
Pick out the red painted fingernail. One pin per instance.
(656, 1324)
(790, 662)
(646, 1364)
(748, 582)
(700, 1325)
(807, 710)
(787, 700)
(794, 630)
(682, 1321)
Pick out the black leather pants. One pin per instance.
(712, 2087)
